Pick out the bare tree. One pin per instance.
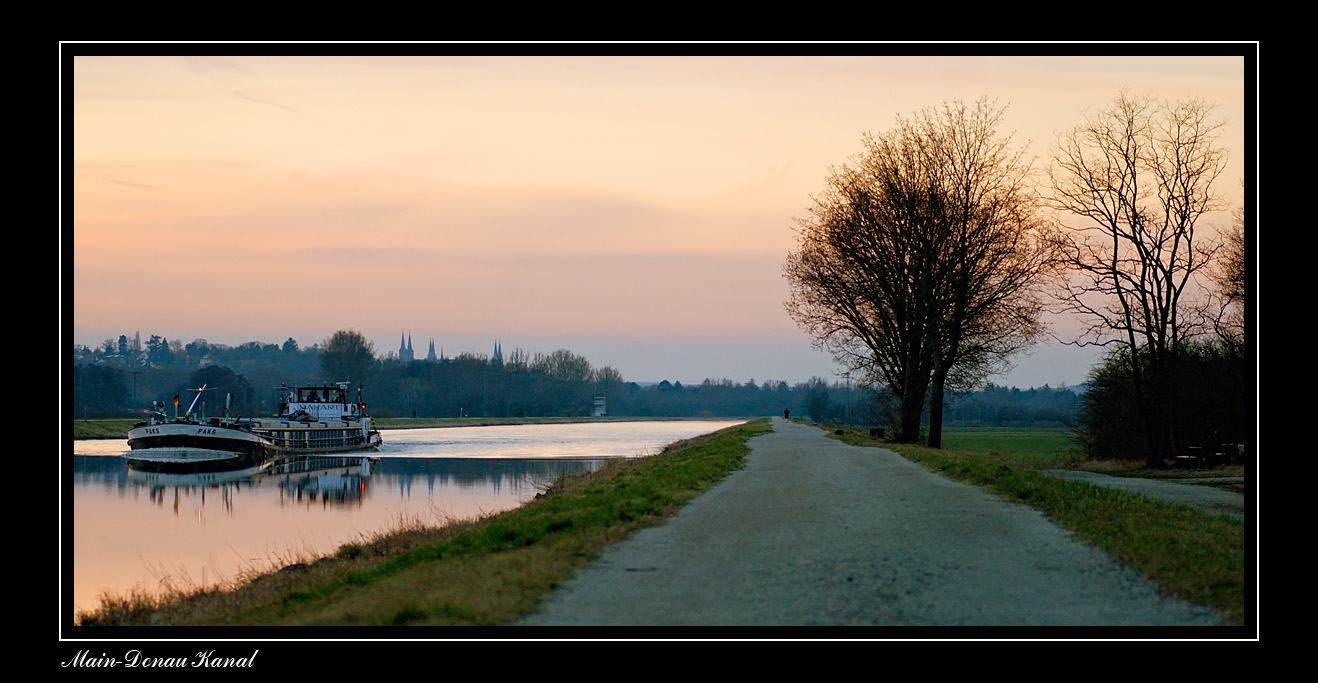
(1232, 281)
(1137, 177)
(860, 284)
(347, 356)
(919, 262)
(995, 257)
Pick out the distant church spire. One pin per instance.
(431, 355)
(497, 358)
(405, 348)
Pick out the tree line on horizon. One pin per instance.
(114, 382)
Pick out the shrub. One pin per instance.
(1202, 403)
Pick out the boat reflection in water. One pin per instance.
(338, 480)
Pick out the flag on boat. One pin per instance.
(175, 400)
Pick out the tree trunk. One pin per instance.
(912, 408)
(936, 409)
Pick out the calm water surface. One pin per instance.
(139, 531)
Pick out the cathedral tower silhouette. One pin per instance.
(405, 348)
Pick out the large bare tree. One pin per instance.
(1136, 178)
(919, 263)
(347, 356)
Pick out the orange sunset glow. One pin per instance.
(636, 210)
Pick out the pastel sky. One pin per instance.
(635, 210)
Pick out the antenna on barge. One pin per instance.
(194, 400)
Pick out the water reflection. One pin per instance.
(147, 531)
(337, 480)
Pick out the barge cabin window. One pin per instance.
(321, 395)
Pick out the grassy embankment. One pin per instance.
(116, 428)
(485, 572)
(1189, 553)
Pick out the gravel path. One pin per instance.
(816, 532)
(1201, 494)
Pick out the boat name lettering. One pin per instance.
(205, 430)
(319, 407)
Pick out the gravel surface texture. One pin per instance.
(813, 532)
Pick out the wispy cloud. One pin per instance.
(115, 180)
(268, 103)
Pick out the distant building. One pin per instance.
(405, 348)
(406, 352)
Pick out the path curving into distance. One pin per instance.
(814, 532)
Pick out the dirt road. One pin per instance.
(816, 532)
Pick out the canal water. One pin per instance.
(131, 531)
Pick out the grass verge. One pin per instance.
(1189, 553)
(110, 428)
(486, 572)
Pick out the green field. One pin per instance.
(1029, 447)
(115, 428)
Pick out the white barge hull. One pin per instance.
(194, 447)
